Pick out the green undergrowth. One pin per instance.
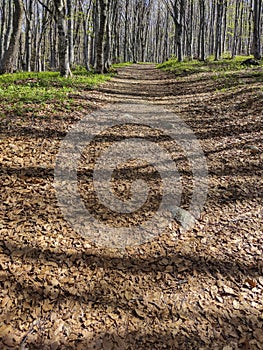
(20, 90)
(146, 63)
(228, 74)
(195, 66)
(120, 65)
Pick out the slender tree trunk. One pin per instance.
(256, 29)
(165, 39)
(157, 36)
(110, 12)
(28, 40)
(224, 27)
(63, 48)
(96, 28)
(53, 46)
(86, 44)
(115, 38)
(239, 37)
(180, 31)
(70, 32)
(218, 36)
(9, 26)
(86, 35)
(99, 65)
(7, 63)
(189, 31)
(202, 30)
(3, 28)
(250, 24)
(126, 28)
(212, 27)
(234, 43)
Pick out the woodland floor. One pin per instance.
(196, 290)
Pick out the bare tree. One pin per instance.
(201, 46)
(176, 9)
(86, 10)
(7, 64)
(63, 46)
(70, 31)
(28, 35)
(58, 34)
(256, 28)
(99, 63)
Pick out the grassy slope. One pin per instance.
(123, 64)
(30, 92)
(194, 66)
(229, 74)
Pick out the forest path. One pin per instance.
(200, 289)
(138, 82)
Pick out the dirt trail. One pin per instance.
(143, 83)
(201, 289)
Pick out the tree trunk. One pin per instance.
(224, 27)
(70, 32)
(53, 45)
(211, 26)
(239, 38)
(256, 29)
(9, 25)
(8, 61)
(178, 17)
(179, 32)
(99, 65)
(3, 28)
(126, 28)
(202, 30)
(110, 13)
(28, 41)
(63, 47)
(235, 36)
(218, 36)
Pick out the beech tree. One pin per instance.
(256, 28)
(176, 9)
(201, 37)
(7, 64)
(41, 35)
(99, 63)
(63, 42)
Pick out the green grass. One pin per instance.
(228, 74)
(31, 93)
(20, 90)
(145, 63)
(120, 65)
(195, 66)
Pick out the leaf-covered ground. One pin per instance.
(196, 290)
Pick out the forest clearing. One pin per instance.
(131, 175)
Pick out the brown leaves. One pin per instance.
(229, 290)
(200, 289)
(10, 336)
(251, 282)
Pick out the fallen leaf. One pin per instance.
(229, 290)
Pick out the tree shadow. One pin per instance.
(182, 266)
(98, 297)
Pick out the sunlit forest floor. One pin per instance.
(200, 289)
